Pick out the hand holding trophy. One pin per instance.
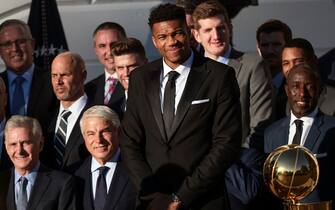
(292, 172)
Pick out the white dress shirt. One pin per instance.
(110, 173)
(225, 58)
(184, 70)
(75, 109)
(306, 126)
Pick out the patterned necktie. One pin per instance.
(169, 101)
(18, 97)
(101, 189)
(111, 84)
(60, 137)
(22, 197)
(298, 132)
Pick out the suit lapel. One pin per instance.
(154, 95)
(100, 90)
(41, 185)
(119, 182)
(118, 94)
(36, 85)
(314, 132)
(88, 192)
(194, 81)
(234, 61)
(281, 137)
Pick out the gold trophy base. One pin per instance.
(325, 205)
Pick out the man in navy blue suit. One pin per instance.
(308, 126)
(111, 189)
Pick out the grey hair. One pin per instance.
(19, 121)
(16, 22)
(100, 111)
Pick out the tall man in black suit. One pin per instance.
(29, 185)
(182, 127)
(26, 83)
(111, 189)
(307, 126)
(65, 145)
(106, 88)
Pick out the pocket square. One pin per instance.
(200, 101)
(321, 155)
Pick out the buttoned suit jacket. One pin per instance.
(42, 100)
(95, 91)
(52, 190)
(204, 141)
(121, 194)
(75, 149)
(256, 94)
(320, 140)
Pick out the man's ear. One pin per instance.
(258, 50)
(153, 41)
(196, 35)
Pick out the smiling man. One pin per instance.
(26, 83)
(105, 89)
(112, 189)
(29, 184)
(182, 127)
(306, 126)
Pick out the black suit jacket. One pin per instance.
(121, 194)
(320, 140)
(95, 91)
(42, 100)
(75, 149)
(205, 139)
(53, 190)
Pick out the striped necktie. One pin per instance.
(111, 83)
(60, 137)
(22, 197)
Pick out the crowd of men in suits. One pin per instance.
(190, 130)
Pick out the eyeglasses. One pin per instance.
(19, 42)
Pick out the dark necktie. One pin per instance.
(60, 137)
(101, 189)
(169, 101)
(298, 132)
(18, 97)
(22, 197)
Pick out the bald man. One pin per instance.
(65, 147)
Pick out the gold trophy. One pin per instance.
(292, 172)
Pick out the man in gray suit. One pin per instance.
(307, 126)
(213, 30)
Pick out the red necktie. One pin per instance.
(112, 84)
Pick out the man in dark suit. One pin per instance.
(26, 83)
(65, 145)
(106, 89)
(179, 135)
(4, 159)
(100, 128)
(307, 126)
(213, 29)
(29, 184)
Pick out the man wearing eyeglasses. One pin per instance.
(26, 83)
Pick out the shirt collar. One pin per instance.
(181, 68)
(96, 165)
(27, 75)
(31, 176)
(114, 75)
(79, 104)
(308, 117)
(225, 58)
